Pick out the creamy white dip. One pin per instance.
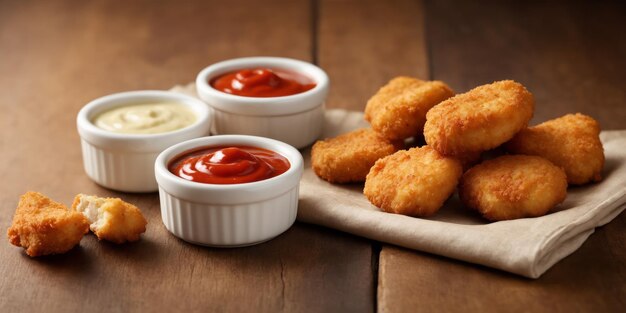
(146, 118)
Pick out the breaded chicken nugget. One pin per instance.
(43, 226)
(349, 157)
(468, 160)
(414, 182)
(111, 218)
(513, 186)
(480, 119)
(398, 109)
(571, 142)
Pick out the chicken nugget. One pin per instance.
(42, 226)
(480, 119)
(415, 182)
(111, 218)
(398, 109)
(468, 160)
(349, 157)
(513, 186)
(571, 142)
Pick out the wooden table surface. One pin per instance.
(55, 56)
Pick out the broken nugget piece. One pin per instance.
(398, 109)
(42, 226)
(571, 142)
(111, 218)
(348, 158)
(415, 182)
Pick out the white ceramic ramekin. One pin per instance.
(125, 162)
(296, 119)
(229, 215)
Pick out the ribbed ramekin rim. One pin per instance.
(161, 164)
(316, 73)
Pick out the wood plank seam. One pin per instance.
(315, 9)
(377, 247)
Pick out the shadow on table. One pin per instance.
(142, 251)
(76, 262)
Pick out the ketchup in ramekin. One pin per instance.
(229, 165)
(262, 82)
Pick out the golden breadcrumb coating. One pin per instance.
(571, 142)
(348, 158)
(513, 186)
(111, 218)
(468, 160)
(415, 182)
(480, 119)
(398, 109)
(42, 226)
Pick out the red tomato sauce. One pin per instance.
(262, 82)
(228, 165)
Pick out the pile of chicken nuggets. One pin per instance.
(43, 226)
(478, 143)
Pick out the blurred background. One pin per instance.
(570, 54)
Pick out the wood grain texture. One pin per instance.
(592, 279)
(571, 58)
(569, 55)
(364, 44)
(57, 56)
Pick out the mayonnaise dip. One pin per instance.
(146, 118)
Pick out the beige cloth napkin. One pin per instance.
(527, 247)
